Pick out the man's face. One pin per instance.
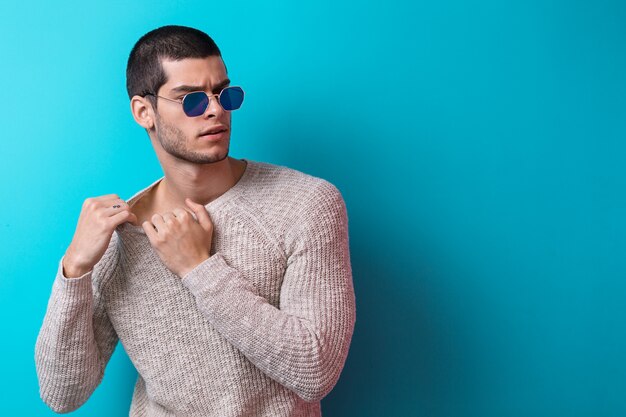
(179, 134)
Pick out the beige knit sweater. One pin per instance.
(261, 328)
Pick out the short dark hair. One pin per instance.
(144, 72)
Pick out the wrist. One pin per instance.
(72, 269)
(185, 271)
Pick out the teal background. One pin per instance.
(479, 147)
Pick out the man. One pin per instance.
(228, 281)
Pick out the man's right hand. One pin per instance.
(98, 219)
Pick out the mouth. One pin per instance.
(214, 130)
(213, 134)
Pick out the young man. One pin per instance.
(228, 281)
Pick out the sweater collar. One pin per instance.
(230, 194)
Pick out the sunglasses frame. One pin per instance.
(209, 96)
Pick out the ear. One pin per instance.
(142, 111)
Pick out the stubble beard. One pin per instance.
(174, 142)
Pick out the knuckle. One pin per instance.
(99, 216)
(88, 203)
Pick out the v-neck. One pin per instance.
(228, 195)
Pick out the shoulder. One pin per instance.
(290, 190)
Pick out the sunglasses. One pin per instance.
(195, 103)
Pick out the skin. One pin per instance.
(197, 171)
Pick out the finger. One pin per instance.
(150, 232)
(122, 217)
(133, 219)
(112, 207)
(95, 203)
(170, 218)
(201, 214)
(158, 222)
(183, 213)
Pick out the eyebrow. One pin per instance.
(188, 88)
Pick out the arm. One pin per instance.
(304, 344)
(76, 339)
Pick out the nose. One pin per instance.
(214, 108)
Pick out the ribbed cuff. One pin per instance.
(210, 276)
(79, 287)
(216, 285)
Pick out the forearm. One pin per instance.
(68, 361)
(303, 348)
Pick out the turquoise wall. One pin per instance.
(479, 146)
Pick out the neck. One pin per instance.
(200, 183)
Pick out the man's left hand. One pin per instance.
(181, 242)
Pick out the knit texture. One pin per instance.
(260, 328)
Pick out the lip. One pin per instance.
(213, 129)
(213, 137)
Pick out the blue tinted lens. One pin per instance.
(195, 103)
(231, 98)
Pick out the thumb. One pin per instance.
(201, 214)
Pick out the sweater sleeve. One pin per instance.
(76, 339)
(303, 344)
